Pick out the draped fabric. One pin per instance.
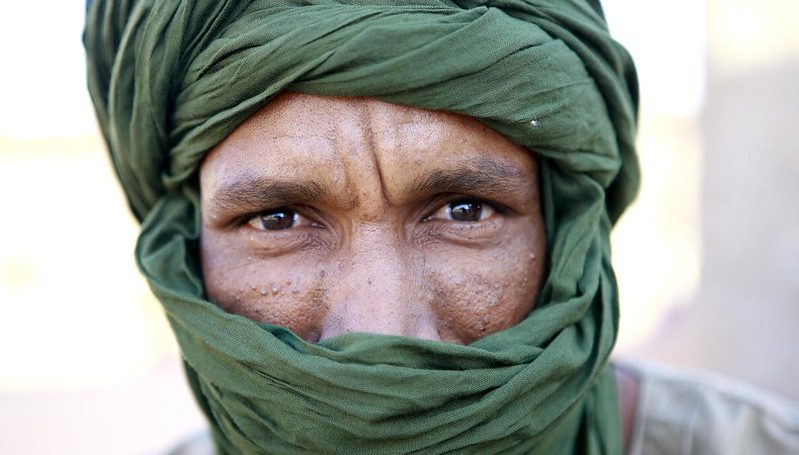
(170, 79)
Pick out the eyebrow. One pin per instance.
(484, 174)
(258, 193)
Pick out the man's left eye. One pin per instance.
(275, 220)
(463, 210)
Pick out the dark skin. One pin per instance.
(335, 215)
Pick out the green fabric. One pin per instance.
(170, 79)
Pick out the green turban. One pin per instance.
(170, 79)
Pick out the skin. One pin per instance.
(334, 215)
(374, 245)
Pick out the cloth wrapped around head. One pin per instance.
(171, 79)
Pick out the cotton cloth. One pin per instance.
(170, 79)
(684, 413)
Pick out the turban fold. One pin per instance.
(170, 79)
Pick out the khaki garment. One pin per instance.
(680, 413)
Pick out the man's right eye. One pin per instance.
(275, 220)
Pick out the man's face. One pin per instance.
(336, 215)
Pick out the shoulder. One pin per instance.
(691, 413)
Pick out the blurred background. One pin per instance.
(707, 258)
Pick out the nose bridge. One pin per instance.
(377, 290)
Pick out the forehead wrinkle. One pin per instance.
(359, 143)
(278, 168)
(344, 150)
(393, 135)
(375, 145)
(318, 143)
(437, 152)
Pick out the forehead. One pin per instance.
(346, 142)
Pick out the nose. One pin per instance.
(378, 288)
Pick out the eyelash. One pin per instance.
(449, 203)
(439, 205)
(295, 211)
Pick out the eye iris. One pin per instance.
(465, 211)
(275, 221)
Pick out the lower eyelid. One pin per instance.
(485, 222)
(282, 241)
(476, 233)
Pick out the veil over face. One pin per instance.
(171, 79)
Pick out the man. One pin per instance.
(379, 228)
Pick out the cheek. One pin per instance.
(275, 291)
(480, 292)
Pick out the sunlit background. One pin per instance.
(707, 258)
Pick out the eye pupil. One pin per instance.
(465, 210)
(274, 221)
